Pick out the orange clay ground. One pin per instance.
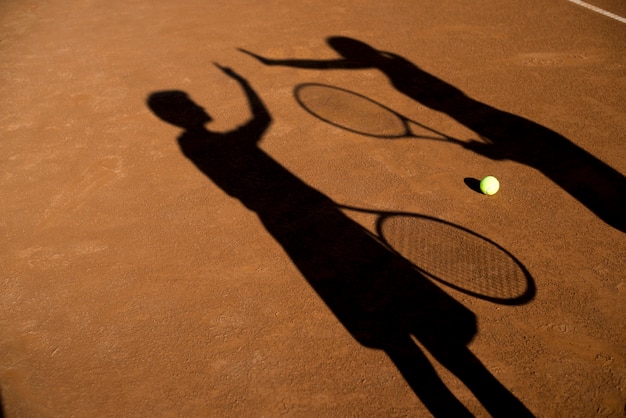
(133, 283)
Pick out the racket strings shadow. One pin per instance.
(376, 294)
(354, 112)
(455, 256)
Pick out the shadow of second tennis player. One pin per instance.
(504, 135)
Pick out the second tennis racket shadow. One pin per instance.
(356, 113)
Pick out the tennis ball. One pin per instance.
(489, 185)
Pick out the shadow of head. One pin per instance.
(175, 107)
(351, 48)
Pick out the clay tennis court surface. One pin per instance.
(133, 284)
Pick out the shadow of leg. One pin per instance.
(423, 379)
(487, 389)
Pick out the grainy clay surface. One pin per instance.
(225, 281)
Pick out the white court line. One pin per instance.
(599, 10)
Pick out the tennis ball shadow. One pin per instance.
(473, 184)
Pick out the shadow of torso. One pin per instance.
(376, 294)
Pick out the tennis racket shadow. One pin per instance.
(359, 114)
(455, 256)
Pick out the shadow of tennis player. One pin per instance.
(376, 294)
(506, 136)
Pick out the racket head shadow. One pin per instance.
(354, 112)
(458, 257)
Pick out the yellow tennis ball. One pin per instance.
(489, 185)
